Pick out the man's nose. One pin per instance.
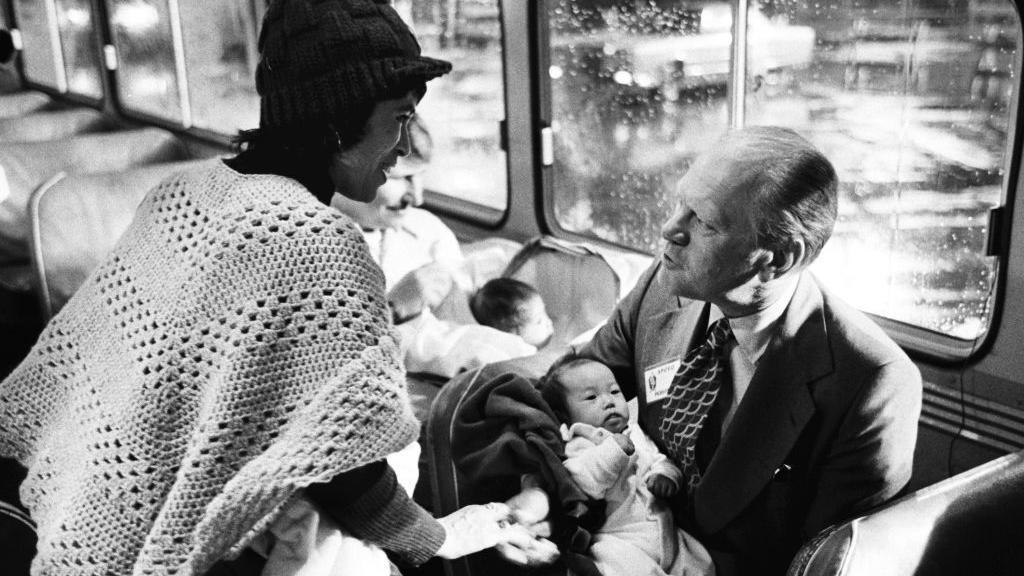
(414, 189)
(674, 231)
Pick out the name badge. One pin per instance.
(657, 380)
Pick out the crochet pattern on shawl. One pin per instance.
(232, 349)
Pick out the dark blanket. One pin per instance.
(503, 430)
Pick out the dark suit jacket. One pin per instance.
(825, 431)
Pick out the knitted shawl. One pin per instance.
(233, 349)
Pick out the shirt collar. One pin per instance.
(754, 331)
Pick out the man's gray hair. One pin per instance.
(793, 187)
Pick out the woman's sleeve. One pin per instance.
(369, 504)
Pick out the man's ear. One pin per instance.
(784, 259)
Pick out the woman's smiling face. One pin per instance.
(358, 171)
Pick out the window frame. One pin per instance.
(61, 89)
(481, 215)
(922, 343)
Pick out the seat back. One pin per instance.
(24, 102)
(77, 219)
(578, 285)
(52, 125)
(972, 523)
(27, 165)
(447, 484)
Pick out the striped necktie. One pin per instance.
(691, 396)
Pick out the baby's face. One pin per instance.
(593, 397)
(537, 329)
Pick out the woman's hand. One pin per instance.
(478, 527)
(530, 510)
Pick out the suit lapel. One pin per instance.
(772, 414)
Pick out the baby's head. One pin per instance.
(584, 390)
(515, 307)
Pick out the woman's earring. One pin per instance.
(333, 138)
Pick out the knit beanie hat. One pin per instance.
(321, 58)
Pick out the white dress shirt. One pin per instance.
(752, 335)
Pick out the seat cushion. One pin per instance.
(27, 165)
(21, 103)
(77, 220)
(52, 125)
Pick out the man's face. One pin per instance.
(593, 397)
(710, 248)
(401, 191)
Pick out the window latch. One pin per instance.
(110, 57)
(996, 222)
(547, 146)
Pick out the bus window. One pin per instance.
(910, 100)
(463, 109)
(627, 116)
(80, 47)
(40, 55)
(147, 77)
(221, 56)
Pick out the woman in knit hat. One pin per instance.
(233, 355)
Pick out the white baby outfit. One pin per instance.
(639, 537)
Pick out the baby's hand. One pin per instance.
(661, 486)
(625, 443)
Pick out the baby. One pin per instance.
(512, 323)
(611, 458)
(515, 307)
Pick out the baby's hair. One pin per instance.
(499, 303)
(551, 387)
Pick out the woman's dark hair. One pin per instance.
(303, 152)
(499, 303)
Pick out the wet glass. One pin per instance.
(637, 90)
(911, 101)
(463, 110)
(39, 54)
(147, 80)
(221, 56)
(79, 47)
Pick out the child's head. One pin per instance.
(584, 390)
(512, 306)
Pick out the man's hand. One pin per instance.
(426, 286)
(662, 486)
(477, 527)
(530, 511)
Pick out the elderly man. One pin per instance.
(786, 409)
(419, 254)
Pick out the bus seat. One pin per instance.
(442, 488)
(972, 523)
(486, 259)
(24, 166)
(76, 220)
(21, 103)
(482, 260)
(579, 286)
(53, 125)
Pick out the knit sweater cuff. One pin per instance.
(386, 516)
